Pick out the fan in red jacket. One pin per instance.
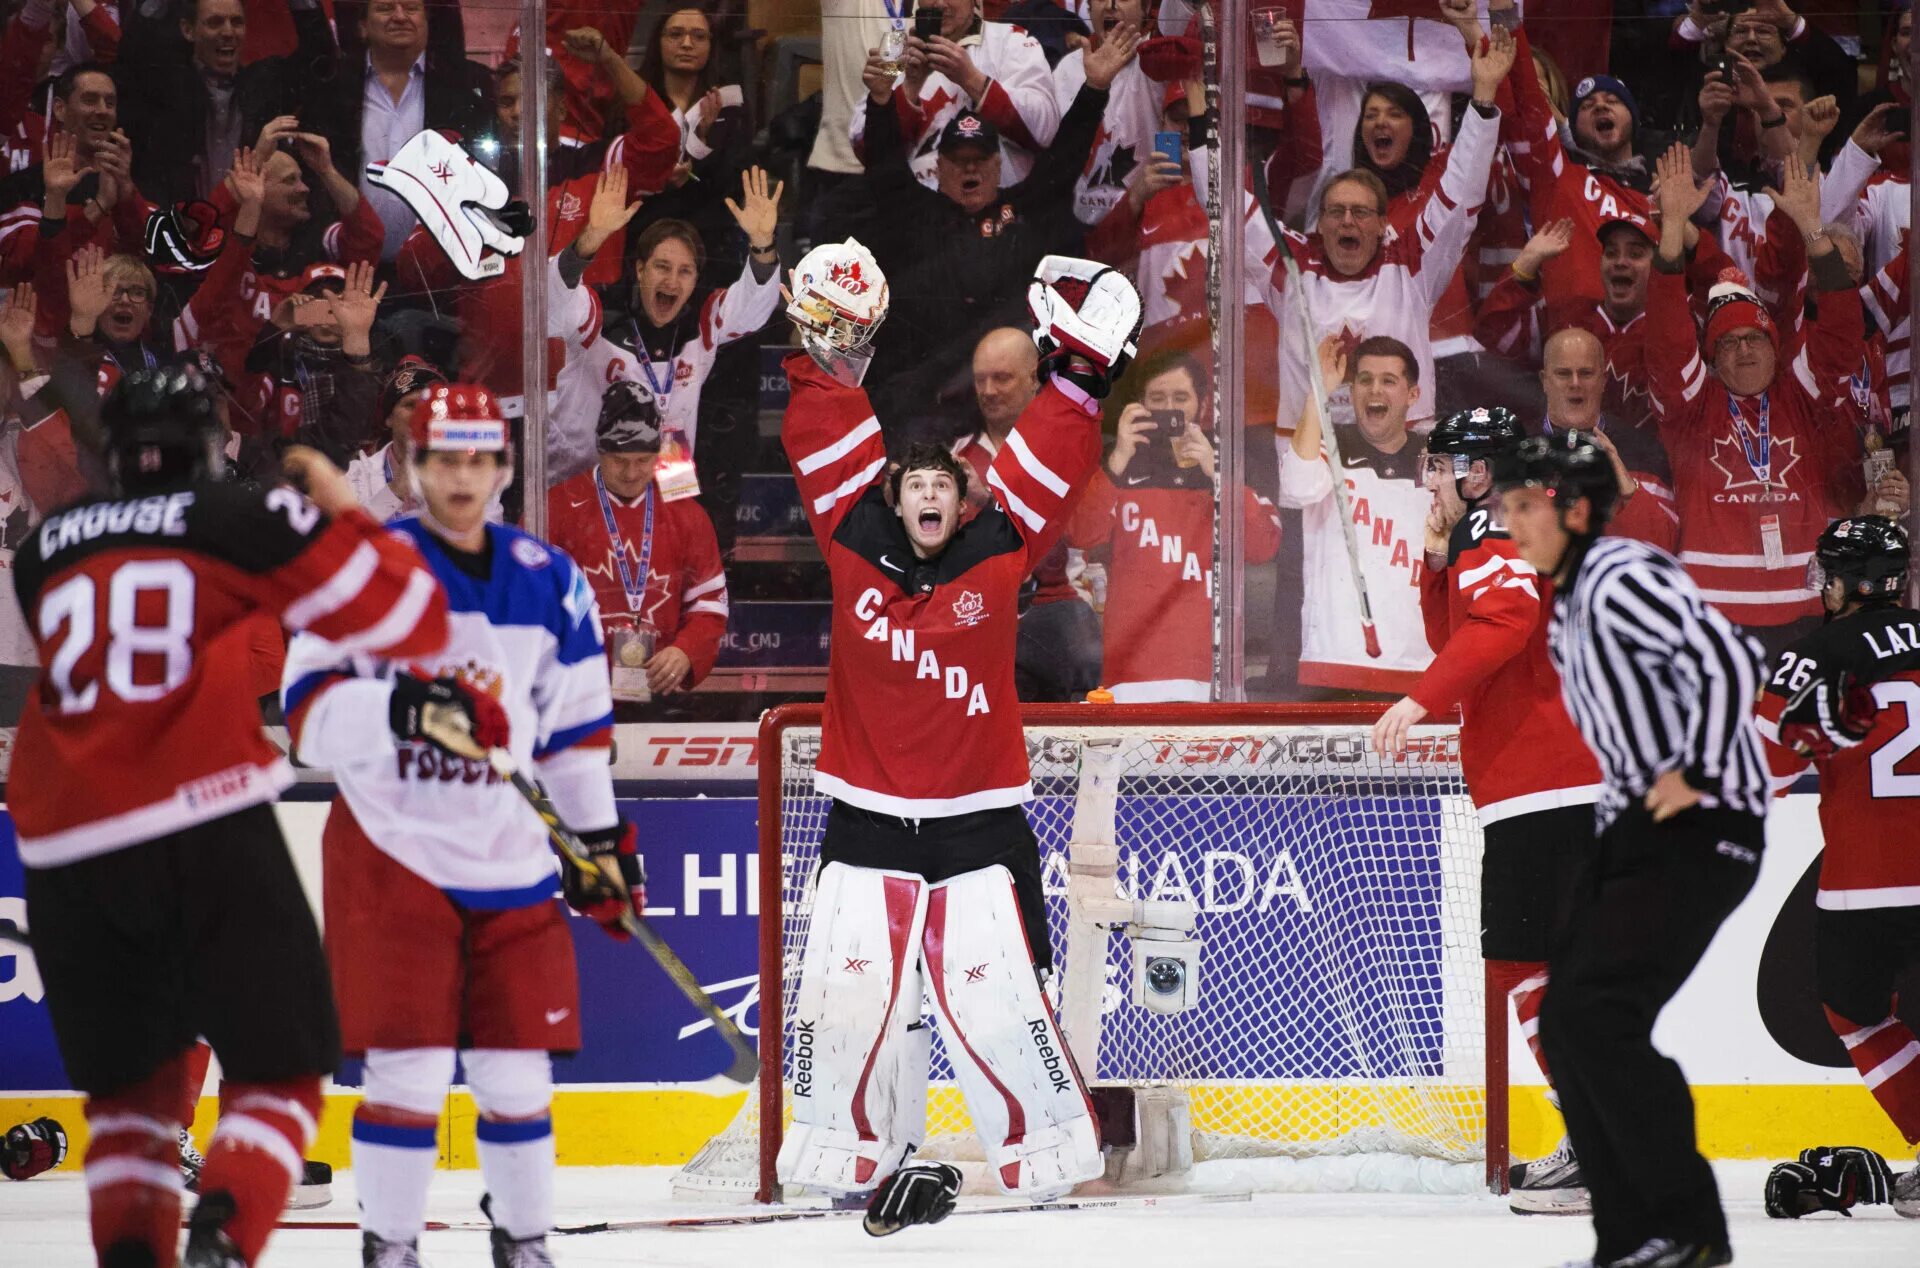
(654, 564)
(1152, 506)
(1529, 772)
(1755, 441)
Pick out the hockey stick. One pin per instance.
(1328, 440)
(783, 1216)
(567, 844)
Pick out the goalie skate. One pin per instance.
(1552, 1185)
(1906, 1192)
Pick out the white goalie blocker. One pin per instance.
(861, 1051)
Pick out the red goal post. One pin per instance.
(1263, 783)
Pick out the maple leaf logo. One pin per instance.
(1731, 459)
(847, 276)
(970, 608)
(1183, 286)
(444, 170)
(1114, 168)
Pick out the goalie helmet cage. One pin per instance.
(1344, 1018)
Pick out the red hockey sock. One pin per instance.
(133, 1166)
(1888, 1057)
(256, 1153)
(1526, 982)
(197, 1059)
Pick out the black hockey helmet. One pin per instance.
(162, 426)
(1866, 554)
(1467, 434)
(1568, 465)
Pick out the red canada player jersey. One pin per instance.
(685, 594)
(144, 720)
(1869, 794)
(1157, 631)
(1486, 620)
(922, 719)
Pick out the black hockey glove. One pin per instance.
(918, 1193)
(1831, 712)
(447, 714)
(33, 1147)
(1828, 1178)
(603, 900)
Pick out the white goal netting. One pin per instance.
(1341, 992)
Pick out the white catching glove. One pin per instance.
(1085, 308)
(452, 194)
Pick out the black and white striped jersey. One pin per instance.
(1657, 680)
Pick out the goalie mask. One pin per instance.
(839, 298)
(1864, 558)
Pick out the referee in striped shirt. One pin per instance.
(1662, 687)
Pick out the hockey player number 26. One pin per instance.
(71, 603)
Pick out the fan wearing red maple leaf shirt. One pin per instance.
(930, 872)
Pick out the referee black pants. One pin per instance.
(1642, 916)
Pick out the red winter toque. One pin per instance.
(1731, 306)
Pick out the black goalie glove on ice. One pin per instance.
(30, 1148)
(1828, 1178)
(918, 1193)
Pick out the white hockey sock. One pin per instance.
(392, 1167)
(516, 1158)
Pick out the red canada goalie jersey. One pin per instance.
(143, 721)
(1486, 615)
(1872, 835)
(921, 718)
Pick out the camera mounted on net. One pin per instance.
(1166, 955)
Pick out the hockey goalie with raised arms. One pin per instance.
(929, 886)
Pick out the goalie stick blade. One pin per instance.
(1117, 1202)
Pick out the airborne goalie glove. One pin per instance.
(1828, 1178)
(918, 1193)
(1084, 315)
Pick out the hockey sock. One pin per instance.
(1525, 981)
(1888, 1057)
(133, 1169)
(516, 1158)
(197, 1059)
(256, 1153)
(393, 1158)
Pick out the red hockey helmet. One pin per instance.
(458, 418)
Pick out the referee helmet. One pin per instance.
(1568, 465)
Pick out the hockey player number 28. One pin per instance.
(71, 603)
(1887, 781)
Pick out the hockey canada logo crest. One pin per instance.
(970, 608)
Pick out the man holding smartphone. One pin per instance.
(966, 63)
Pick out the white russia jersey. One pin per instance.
(1124, 140)
(1389, 508)
(595, 360)
(529, 635)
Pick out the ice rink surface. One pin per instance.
(43, 1225)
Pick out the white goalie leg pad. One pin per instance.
(1028, 1102)
(859, 1055)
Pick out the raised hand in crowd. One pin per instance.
(1717, 97)
(1623, 477)
(1678, 196)
(247, 182)
(1881, 126)
(113, 155)
(757, 212)
(1799, 197)
(1284, 36)
(1464, 17)
(709, 108)
(1492, 56)
(1818, 119)
(1888, 496)
(1159, 172)
(1749, 89)
(1107, 61)
(276, 131)
(952, 60)
(1777, 12)
(1543, 246)
(87, 295)
(589, 45)
(1332, 354)
(1135, 427)
(60, 172)
(355, 308)
(609, 211)
(877, 77)
(18, 309)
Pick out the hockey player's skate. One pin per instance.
(190, 1162)
(208, 1245)
(1661, 1252)
(314, 1188)
(1551, 1185)
(377, 1252)
(918, 1193)
(527, 1252)
(1906, 1192)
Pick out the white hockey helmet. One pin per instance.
(1083, 307)
(839, 297)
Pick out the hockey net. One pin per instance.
(1342, 1008)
